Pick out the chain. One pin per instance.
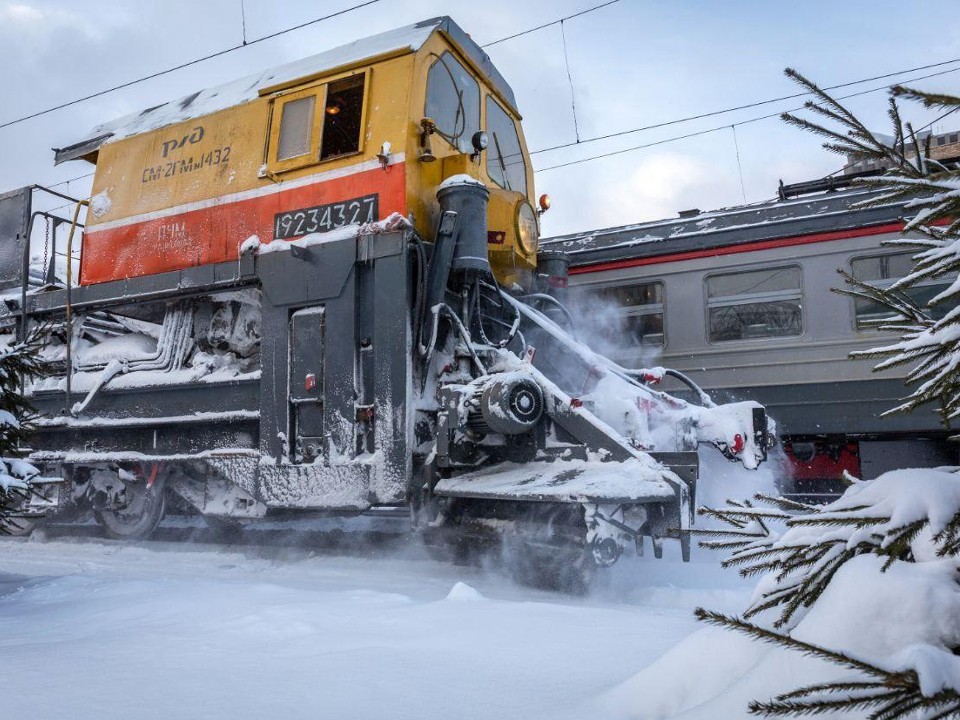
(46, 246)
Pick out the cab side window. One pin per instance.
(453, 101)
(316, 124)
(505, 164)
(343, 114)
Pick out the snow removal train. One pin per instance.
(319, 289)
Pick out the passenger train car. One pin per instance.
(743, 302)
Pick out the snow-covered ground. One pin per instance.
(90, 629)
(93, 629)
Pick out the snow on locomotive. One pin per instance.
(318, 289)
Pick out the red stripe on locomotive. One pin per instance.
(213, 234)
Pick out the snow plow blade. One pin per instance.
(566, 481)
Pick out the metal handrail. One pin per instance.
(69, 325)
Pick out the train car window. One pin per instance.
(505, 164)
(453, 101)
(342, 118)
(637, 318)
(882, 271)
(754, 304)
(296, 127)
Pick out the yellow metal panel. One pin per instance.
(176, 165)
(186, 162)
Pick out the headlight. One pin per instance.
(527, 229)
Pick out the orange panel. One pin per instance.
(213, 231)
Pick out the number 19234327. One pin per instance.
(323, 218)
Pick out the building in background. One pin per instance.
(944, 147)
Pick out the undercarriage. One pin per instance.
(359, 369)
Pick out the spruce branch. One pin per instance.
(890, 694)
(927, 99)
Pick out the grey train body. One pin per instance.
(829, 408)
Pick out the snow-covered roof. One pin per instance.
(409, 38)
(768, 220)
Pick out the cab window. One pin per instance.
(505, 164)
(343, 114)
(316, 124)
(453, 101)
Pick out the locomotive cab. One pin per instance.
(349, 136)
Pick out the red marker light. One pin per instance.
(738, 443)
(310, 382)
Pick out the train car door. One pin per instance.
(305, 392)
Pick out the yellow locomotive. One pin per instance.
(347, 136)
(318, 289)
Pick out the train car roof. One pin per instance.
(767, 221)
(405, 39)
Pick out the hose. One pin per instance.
(445, 309)
(511, 334)
(543, 297)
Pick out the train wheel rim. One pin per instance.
(141, 517)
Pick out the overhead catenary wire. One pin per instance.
(723, 127)
(573, 95)
(246, 43)
(187, 64)
(746, 106)
(551, 23)
(736, 147)
(70, 180)
(579, 141)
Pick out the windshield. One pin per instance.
(505, 163)
(453, 101)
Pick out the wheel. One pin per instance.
(568, 569)
(140, 517)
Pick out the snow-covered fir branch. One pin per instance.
(915, 685)
(18, 360)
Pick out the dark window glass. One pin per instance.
(505, 163)
(754, 304)
(341, 117)
(453, 101)
(882, 271)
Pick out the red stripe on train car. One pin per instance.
(746, 247)
(213, 234)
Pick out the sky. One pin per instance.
(631, 64)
